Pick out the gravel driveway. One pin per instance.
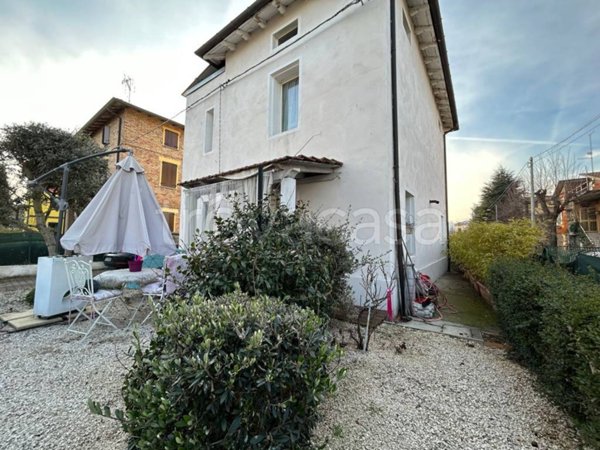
(439, 393)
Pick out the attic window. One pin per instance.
(406, 26)
(106, 135)
(286, 34)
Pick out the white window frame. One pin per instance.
(294, 24)
(209, 131)
(277, 80)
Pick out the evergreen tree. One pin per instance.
(504, 194)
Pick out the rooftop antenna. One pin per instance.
(127, 82)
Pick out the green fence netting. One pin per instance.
(21, 248)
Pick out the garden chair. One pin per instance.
(84, 300)
(172, 278)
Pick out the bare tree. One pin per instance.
(376, 282)
(557, 181)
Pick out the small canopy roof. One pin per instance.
(123, 217)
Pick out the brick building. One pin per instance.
(157, 144)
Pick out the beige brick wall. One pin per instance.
(144, 134)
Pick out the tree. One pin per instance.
(504, 192)
(30, 150)
(7, 208)
(556, 181)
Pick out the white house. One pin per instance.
(343, 104)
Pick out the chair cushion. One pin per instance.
(153, 288)
(104, 294)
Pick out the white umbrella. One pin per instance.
(123, 217)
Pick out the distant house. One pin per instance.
(580, 221)
(342, 105)
(157, 143)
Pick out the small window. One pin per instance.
(171, 139)
(209, 129)
(168, 175)
(170, 217)
(285, 99)
(406, 26)
(285, 34)
(106, 135)
(587, 219)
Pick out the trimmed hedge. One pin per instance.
(230, 373)
(552, 320)
(475, 248)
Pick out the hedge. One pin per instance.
(552, 320)
(475, 248)
(230, 373)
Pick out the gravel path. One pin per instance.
(46, 379)
(439, 393)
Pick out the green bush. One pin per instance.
(231, 373)
(552, 320)
(475, 248)
(274, 252)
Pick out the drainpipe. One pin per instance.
(446, 193)
(402, 306)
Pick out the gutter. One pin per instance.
(398, 242)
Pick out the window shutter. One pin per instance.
(168, 175)
(171, 139)
(170, 217)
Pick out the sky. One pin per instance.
(525, 73)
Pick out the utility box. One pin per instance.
(52, 286)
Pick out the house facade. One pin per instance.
(157, 144)
(579, 223)
(340, 104)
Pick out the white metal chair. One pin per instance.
(155, 293)
(84, 300)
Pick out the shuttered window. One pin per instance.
(171, 139)
(170, 220)
(168, 175)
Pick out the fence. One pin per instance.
(582, 261)
(21, 248)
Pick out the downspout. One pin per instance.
(446, 193)
(396, 166)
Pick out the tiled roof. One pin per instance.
(334, 164)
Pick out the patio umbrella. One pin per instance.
(123, 217)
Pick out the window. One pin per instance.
(170, 217)
(171, 139)
(106, 135)
(406, 26)
(209, 130)
(285, 99)
(289, 104)
(168, 175)
(286, 34)
(587, 219)
(410, 223)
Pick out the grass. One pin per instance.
(471, 309)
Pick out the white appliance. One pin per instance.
(51, 286)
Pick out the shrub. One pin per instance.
(552, 320)
(30, 297)
(475, 248)
(231, 373)
(278, 253)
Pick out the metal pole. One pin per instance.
(591, 153)
(62, 207)
(496, 212)
(532, 207)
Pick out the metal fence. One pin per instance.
(582, 261)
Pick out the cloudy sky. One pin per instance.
(526, 73)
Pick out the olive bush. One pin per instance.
(230, 373)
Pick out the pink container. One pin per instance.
(135, 266)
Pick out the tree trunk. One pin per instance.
(46, 232)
